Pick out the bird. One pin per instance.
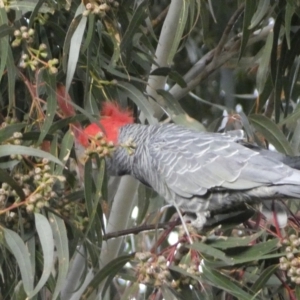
(208, 175)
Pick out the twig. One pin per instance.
(204, 67)
(160, 17)
(227, 30)
(142, 228)
(270, 106)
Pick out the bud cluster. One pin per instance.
(42, 18)
(6, 5)
(152, 270)
(100, 9)
(44, 182)
(74, 211)
(8, 121)
(24, 34)
(291, 262)
(100, 146)
(38, 187)
(192, 270)
(130, 146)
(15, 139)
(35, 59)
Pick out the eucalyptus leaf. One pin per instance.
(20, 252)
(44, 232)
(6, 150)
(272, 133)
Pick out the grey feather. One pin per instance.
(202, 172)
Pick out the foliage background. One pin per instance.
(210, 65)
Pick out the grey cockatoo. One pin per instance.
(206, 174)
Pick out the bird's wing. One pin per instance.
(190, 163)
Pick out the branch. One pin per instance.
(142, 228)
(228, 29)
(206, 65)
(165, 43)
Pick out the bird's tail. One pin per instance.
(288, 190)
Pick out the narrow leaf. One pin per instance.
(20, 252)
(212, 252)
(50, 84)
(111, 268)
(222, 282)
(263, 69)
(289, 12)
(272, 133)
(263, 278)
(138, 17)
(6, 150)
(233, 242)
(75, 50)
(62, 248)
(4, 44)
(249, 10)
(262, 9)
(44, 232)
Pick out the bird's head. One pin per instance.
(112, 118)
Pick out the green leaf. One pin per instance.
(88, 186)
(138, 17)
(111, 269)
(233, 242)
(144, 195)
(5, 30)
(114, 34)
(65, 150)
(289, 12)
(131, 291)
(175, 76)
(28, 5)
(19, 292)
(179, 28)
(255, 252)
(212, 252)
(187, 121)
(68, 37)
(173, 107)
(50, 84)
(163, 71)
(75, 48)
(227, 284)
(272, 133)
(263, 278)
(6, 150)
(297, 292)
(96, 175)
(11, 72)
(248, 13)
(38, 8)
(20, 252)
(62, 248)
(66, 122)
(264, 62)
(4, 44)
(44, 232)
(262, 9)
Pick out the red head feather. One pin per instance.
(112, 118)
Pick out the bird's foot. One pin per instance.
(200, 220)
